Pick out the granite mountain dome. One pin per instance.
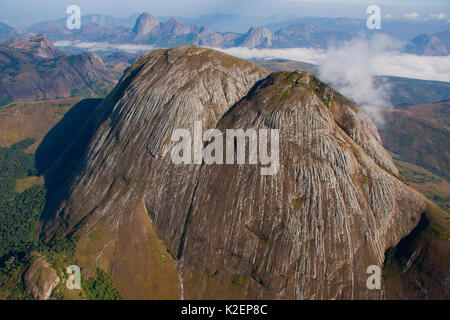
(161, 91)
(309, 231)
(144, 25)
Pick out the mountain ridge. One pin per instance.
(437, 44)
(319, 33)
(45, 73)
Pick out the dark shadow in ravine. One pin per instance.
(61, 157)
(62, 133)
(61, 149)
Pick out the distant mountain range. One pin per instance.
(429, 38)
(44, 72)
(7, 32)
(437, 44)
(399, 29)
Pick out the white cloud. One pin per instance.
(298, 54)
(410, 16)
(389, 16)
(104, 46)
(413, 66)
(438, 16)
(351, 68)
(382, 62)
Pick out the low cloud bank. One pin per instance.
(388, 63)
(308, 55)
(104, 46)
(410, 16)
(351, 68)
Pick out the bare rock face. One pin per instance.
(40, 279)
(437, 44)
(311, 230)
(127, 177)
(308, 232)
(257, 38)
(207, 37)
(175, 27)
(144, 25)
(39, 46)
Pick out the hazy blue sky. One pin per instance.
(26, 12)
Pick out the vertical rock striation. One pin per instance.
(310, 231)
(126, 169)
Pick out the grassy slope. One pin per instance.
(420, 134)
(25, 120)
(21, 120)
(418, 267)
(419, 137)
(41, 119)
(429, 184)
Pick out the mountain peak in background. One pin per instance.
(145, 23)
(7, 32)
(305, 32)
(437, 44)
(38, 45)
(257, 37)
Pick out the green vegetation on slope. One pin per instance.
(13, 266)
(429, 184)
(23, 195)
(19, 212)
(14, 164)
(18, 219)
(100, 287)
(19, 216)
